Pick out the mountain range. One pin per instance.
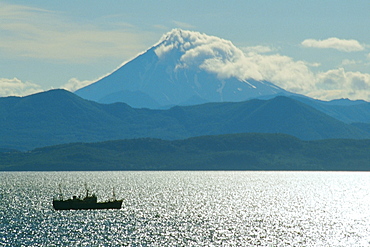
(182, 103)
(58, 116)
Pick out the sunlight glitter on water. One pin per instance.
(189, 209)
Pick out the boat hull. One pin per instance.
(76, 205)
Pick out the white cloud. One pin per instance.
(338, 83)
(257, 49)
(15, 87)
(39, 33)
(73, 84)
(294, 76)
(347, 45)
(349, 62)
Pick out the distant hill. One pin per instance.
(345, 110)
(249, 151)
(277, 115)
(58, 116)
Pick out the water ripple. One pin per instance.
(189, 209)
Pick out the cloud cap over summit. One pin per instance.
(210, 53)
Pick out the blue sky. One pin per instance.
(68, 44)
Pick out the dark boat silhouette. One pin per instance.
(88, 202)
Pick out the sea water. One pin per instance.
(197, 208)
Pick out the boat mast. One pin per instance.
(114, 194)
(87, 191)
(60, 192)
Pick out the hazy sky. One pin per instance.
(324, 46)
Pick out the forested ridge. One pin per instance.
(249, 151)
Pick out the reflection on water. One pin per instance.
(189, 208)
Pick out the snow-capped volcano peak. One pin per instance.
(182, 40)
(184, 67)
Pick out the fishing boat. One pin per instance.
(88, 202)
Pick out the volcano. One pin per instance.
(183, 68)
